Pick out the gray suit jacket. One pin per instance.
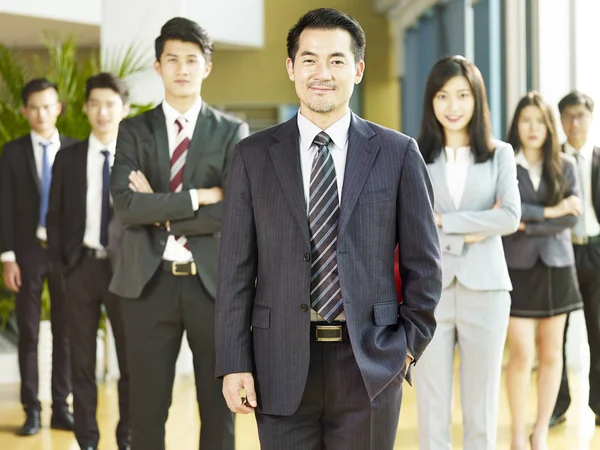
(143, 145)
(480, 266)
(548, 239)
(262, 314)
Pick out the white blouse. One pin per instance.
(458, 162)
(534, 170)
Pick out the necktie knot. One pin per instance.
(45, 145)
(105, 153)
(181, 123)
(322, 139)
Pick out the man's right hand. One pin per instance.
(239, 393)
(209, 196)
(12, 275)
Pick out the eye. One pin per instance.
(337, 62)
(441, 96)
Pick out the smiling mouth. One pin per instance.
(453, 119)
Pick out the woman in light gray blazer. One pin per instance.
(541, 266)
(476, 202)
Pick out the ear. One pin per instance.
(289, 64)
(23, 110)
(59, 108)
(126, 109)
(360, 70)
(157, 67)
(207, 70)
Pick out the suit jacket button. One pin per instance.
(162, 242)
(304, 308)
(447, 248)
(307, 257)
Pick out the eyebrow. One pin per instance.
(193, 55)
(333, 55)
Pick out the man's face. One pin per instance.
(182, 68)
(324, 70)
(105, 110)
(42, 111)
(576, 121)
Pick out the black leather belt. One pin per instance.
(586, 240)
(95, 253)
(328, 332)
(180, 268)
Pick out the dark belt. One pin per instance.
(95, 253)
(180, 268)
(328, 332)
(586, 240)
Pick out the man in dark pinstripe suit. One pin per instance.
(309, 332)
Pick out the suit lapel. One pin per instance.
(285, 155)
(81, 173)
(595, 174)
(161, 138)
(30, 157)
(361, 156)
(203, 129)
(437, 171)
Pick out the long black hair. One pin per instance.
(552, 172)
(432, 137)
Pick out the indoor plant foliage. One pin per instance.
(68, 67)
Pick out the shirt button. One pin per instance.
(304, 308)
(307, 257)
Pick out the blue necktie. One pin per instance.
(105, 212)
(45, 183)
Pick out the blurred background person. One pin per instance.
(576, 116)
(541, 265)
(476, 201)
(25, 178)
(78, 236)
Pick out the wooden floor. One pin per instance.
(183, 425)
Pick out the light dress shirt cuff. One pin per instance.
(194, 197)
(8, 257)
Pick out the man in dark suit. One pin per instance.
(576, 115)
(78, 239)
(25, 177)
(309, 332)
(170, 171)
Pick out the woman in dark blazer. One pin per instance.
(541, 265)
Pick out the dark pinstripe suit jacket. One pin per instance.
(262, 322)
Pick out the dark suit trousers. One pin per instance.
(87, 289)
(35, 267)
(154, 326)
(587, 261)
(335, 412)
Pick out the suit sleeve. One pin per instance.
(54, 219)
(8, 206)
(419, 249)
(134, 208)
(208, 218)
(553, 226)
(238, 262)
(492, 222)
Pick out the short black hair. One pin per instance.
(575, 98)
(106, 80)
(36, 85)
(327, 19)
(185, 30)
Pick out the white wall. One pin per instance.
(80, 11)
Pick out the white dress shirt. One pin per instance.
(95, 167)
(338, 132)
(592, 227)
(534, 170)
(458, 162)
(38, 155)
(174, 251)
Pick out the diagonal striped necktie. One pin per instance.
(182, 145)
(323, 215)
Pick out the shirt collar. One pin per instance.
(191, 115)
(521, 160)
(95, 146)
(36, 139)
(585, 151)
(338, 132)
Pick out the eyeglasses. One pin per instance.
(570, 118)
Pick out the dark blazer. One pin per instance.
(262, 313)
(548, 239)
(143, 145)
(67, 212)
(20, 195)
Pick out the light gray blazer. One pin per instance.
(479, 266)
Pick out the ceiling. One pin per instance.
(26, 31)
